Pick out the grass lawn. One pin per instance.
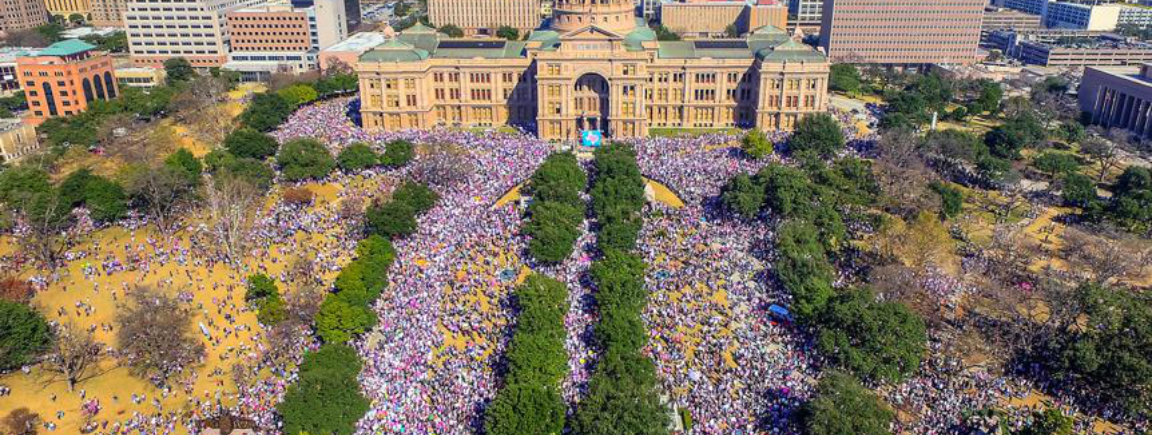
(686, 131)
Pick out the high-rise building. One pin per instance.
(67, 7)
(196, 30)
(599, 67)
(108, 13)
(1067, 15)
(697, 18)
(905, 32)
(22, 14)
(1004, 18)
(352, 8)
(64, 78)
(806, 13)
(484, 17)
(281, 38)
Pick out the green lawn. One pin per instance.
(685, 131)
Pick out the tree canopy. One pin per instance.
(842, 406)
(304, 159)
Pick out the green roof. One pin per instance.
(395, 50)
(67, 48)
(419, 28)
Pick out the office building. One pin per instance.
(1135, 16)
(1066, 15)
(906, 32)
(62, 79)
(196, 30)
(9, 82)
(484, 17)
(66, 8)
(17, 140)
(1011, 19)
(704, 18)
(353, 14)
(22, 14)
(597, 68)
(1118, 97)
(1082, 52)
(282, 38)
(649, 9)
(108, 13)
(806, 13)
(1034, 7)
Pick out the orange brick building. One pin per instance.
(64, 78)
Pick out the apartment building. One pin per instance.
(484, 17)
(282, 38)
(67, 7)
(904, 32)
(22, 14)
(64, 78)
(710, 18)
(196, 30)
(108, 13)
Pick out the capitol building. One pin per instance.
(595, 66)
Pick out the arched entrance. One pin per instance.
(591, 103)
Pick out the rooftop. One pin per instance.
(66, 47)
(359, 42)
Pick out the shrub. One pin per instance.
(304, 159)
(951, 199)
(298, 196)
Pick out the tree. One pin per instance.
(1050, 421)
(1018, 132)
(879, 341)
(326, 399)
(663, 34)
(951, 200)
(76, 19)
(260, 286)
(451, 30)
(397, 153)
(159, 191)
(524, 408)
(559, 179)
(1105, 256)
(266, 112)
(508, 32)
(744, 196)
(844, 77)
(186, 164)
(178, 70)
(842, 406)
(357, 157)
(622, 391)
(24, 334)
(756, 145)
(246, 142)
(1056, 164)
(298, 94)
(1103, 152)
(990, 95)
(303, 159)
(1078, 190)
(553, 228)
(338, 321)
(73, 353)
(21, 421)
(106, 199)
(38, 205)
(731, 31)
(154, 335)
(391, 220)
(417, 196)
(817, 135)
(232, 205)
(13, 289)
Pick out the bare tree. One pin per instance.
(286, 338)
(74, 353)
(1103, 152)
(161, 191)
(232, 205)
(442, 164)
(21, 421)
(45, 227)
(1010, 251)
(1106, 256)
(902, 172)
(199, 104)
(155, 335)
(352, 213)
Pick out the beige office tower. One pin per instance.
(67, 7)
(22, 14)
(484, 17)
(904, 32)
(108, 13)
(196, 30)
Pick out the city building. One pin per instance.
(348, 51)
(708, 18)
(9, 82)
(806, 14)
(62, 79)
(1118, 97)
(17, 140)
(1067, 15)
(649, 9)
(597, 67)
(353, 14)
(1135, 16)
(1034, 7)
(196, 30)
(276, 38)
(108, 13)
(140, 77)
(1008, 40)
(66, 8)
(22, 14)
(1082, 51)
(904, 32)
(484, 17)
(1004, 18)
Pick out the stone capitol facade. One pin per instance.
(595, 67)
